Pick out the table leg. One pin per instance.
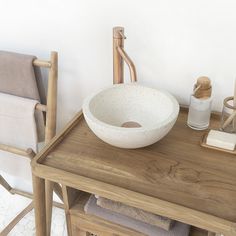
(49, 201)
(69, 197)
(39, 205)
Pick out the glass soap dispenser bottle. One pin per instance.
(200, 105)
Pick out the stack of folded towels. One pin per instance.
(134, 218)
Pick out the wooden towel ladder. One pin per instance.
(50, 129)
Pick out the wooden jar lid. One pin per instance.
(203, 89)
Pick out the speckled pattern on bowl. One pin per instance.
(107, 110)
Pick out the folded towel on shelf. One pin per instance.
(18, 129)
(138, 214)
(19, 77)
(91, 207)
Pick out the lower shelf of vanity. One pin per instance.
(82, 222)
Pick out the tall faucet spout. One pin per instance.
(130, 64)
(119, 56)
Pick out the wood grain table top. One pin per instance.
(176, 169)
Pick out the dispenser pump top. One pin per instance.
(202, 89)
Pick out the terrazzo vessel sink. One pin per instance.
(130, 115)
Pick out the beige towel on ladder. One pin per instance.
(17, 128)
(19, 77)
(138, 214)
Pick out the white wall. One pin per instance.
(172, 42)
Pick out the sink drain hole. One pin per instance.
(131, 124)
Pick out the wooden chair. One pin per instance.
(50, 129)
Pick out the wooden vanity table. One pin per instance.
(175, 177)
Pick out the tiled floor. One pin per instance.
(11, 205)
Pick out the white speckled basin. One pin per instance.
(147, 114)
